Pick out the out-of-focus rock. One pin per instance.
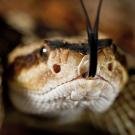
(117, 17)
(117, 20)
(9, 37)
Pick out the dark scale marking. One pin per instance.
(56, 44)
(82, 47)
(25, 61)
(38, 55)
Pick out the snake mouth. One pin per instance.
(66, 95)
(78, 92)
(83, 76)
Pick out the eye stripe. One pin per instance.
(26, 61)
(82, 47)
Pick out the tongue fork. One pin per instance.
(92, 40)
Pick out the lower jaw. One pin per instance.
(28, 104)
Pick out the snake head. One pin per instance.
(49, 78)
(66, 74)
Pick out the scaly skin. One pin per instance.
(55, 82)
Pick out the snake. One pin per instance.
(50, 77)
(67, 74)
(47, 79)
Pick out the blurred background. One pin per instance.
(117, 18)
(21, 19)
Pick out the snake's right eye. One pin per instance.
(43, 51)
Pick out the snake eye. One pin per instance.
(43, 51)
(110, 66)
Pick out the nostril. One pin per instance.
(56, 68)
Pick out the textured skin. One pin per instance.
(120, 118)
(37, 88)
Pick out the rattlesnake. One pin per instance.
(50, 79)
(32, 69)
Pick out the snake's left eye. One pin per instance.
(110, 66)
(43, 51)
